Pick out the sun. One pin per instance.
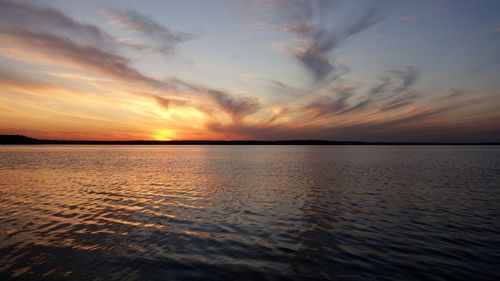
(163, 135)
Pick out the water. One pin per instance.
(250, 212)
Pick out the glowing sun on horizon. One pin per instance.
(163, 135)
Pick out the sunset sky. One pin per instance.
(251, 69)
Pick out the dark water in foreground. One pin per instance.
(250, 213)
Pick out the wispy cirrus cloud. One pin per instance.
(25, 41)
(394, 91)
(11, 81)
(47, 48)
(236, 107)
(335, 101)
(84, 77)
(316, 39)
(408, 76)
(393, 84)
(315, 54)
(413, 124)
(164, 39)
(44, 19)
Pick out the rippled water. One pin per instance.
(250, 212)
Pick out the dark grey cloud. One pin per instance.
(44, 19)
(407, 76)
(274, 12)
(396, 104)
(81, 56)
(359, 106)
(282, 89)
(395, 82)
(133, 45)
(163, 102)
(455, 93)
(410, 127)
(309, 21)
(395, 90)
(166, 103)
(338, 105)
(283, 112)
(10, 80)
(66, 52)
(392, 92)
(450, 95)
(165, 40)
(301, 28)
(256, 131)
(327, 105)
(236, 107)
(400, 101)
(381, 87)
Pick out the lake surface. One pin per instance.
(249, 212)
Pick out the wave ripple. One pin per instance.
(249, 213)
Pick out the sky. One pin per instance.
(385, 70)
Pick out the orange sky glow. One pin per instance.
(124, 73)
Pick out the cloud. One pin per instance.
(237, 107)
(396, 104)
(163, 102)
(306, 20)
(455, 93)
(410, 125)
(28, 32)
(334, 102)
(394, 91)
(132, 44)
(16, 82)
(165, 39)
(283, 90)
(49, 48)
(167, 103)
(53, 49)
(408, 76)
(278, 113)
(44, 19)
(330, 109)
(315, 56)
(301, 28)
(391, 86)
(254, 131)
(385, 82)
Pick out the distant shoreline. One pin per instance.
(23, 140)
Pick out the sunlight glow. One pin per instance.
(164, 135)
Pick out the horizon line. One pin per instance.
(25, 140)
